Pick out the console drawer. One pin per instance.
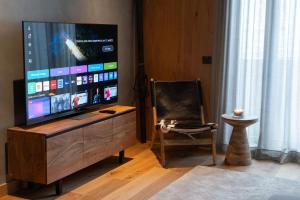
(64, 154)
(97, 141)
(124, 129)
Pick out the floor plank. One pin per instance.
(141, 176)
(163, 181)
(135, 186)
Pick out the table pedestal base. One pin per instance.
(238, 152)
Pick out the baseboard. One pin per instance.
(9, 188)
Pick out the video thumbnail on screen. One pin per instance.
(95, 95)
(38, 107)
(60, 103)
(79, 99)
(110, 92)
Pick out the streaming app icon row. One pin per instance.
(35, 87)
(95, 78)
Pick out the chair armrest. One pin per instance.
(212, 125)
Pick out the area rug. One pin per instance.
(210, 183)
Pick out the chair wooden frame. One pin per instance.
(211, 140)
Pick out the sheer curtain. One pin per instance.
(260, 72)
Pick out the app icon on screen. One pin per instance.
(105, 76)
(96, 78)
(79, 80)
(115, 75)
(67, 82)
(46, 85)
(111, 75)
(84, 80)
(53, 84)
(91, 78)
(60, 83)
(39, 87)
(31, 88)
(100, 77)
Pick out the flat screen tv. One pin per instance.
(68, 67)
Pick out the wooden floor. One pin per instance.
(141, 175)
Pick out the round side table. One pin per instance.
(238, 152)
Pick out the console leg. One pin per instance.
(121, 156)
(30, 185)
(58, 187)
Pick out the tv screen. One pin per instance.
(68, 67)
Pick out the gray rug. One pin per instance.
(209, 183)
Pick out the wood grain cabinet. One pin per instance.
(124, 130)
(64, 154)
(98, 141)
(47, 153)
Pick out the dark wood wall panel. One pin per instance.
(177, 34)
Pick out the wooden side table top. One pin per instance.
(239, 121)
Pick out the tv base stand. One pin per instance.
(47, 153)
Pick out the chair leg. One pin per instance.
(214, 150)
(153, 138)
(162, 149)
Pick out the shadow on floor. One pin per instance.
(71, 182)
(187, 156)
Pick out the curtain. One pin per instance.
(260, 72)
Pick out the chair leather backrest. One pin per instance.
(177, 100)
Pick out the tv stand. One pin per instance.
(47, 153)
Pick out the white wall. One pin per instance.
(12, 12)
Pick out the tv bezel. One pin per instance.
(81, 110)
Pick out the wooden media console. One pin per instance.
(47, 153)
